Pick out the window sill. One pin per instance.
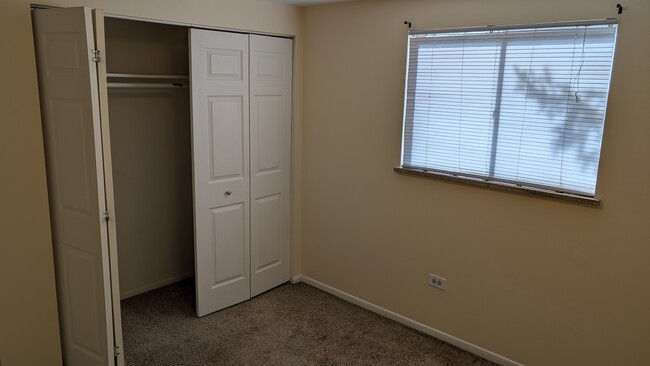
(500, 186)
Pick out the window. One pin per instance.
(516, 105)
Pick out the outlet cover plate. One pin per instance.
(437, 282)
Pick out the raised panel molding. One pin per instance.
(269, 112)
(269, 65)
(269, 232)
(224, 64)
(226, 124)
(80, 281)
(69, 133)
(62, 52)
(228, 244)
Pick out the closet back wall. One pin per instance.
(150, 146)
(28, 316)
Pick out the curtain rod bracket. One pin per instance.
(620, 8)
(406, 22)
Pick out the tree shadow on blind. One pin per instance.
(579, 108)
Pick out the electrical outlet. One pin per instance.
(437, 282)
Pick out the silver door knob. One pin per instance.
(228, 193)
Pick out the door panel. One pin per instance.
(69, 134)
(268, 227)
(270, 131)
(226, 138)
(228, 239)
(269, 135)
(82, 291)
(71, 131)
(220, 153)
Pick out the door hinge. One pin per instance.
(107, 215)
(96, 55)
(116, 351)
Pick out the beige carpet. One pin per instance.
(289, 325)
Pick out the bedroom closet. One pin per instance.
(150, 134)
(168, 152)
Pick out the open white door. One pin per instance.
(72, 134)
(271, 75)
(220, 149)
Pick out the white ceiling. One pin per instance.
(306, 2)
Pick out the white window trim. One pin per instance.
(499, 186)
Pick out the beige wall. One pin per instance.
(28, 320)
(541, 282)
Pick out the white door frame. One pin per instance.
(100, 44)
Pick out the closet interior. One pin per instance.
(150, 133)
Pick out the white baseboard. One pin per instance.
(296, 279)
(469, 347)
(153, 286)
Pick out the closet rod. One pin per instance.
(147, 86)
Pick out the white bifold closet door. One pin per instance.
(270, 165)
(241, 140)
(71, 106)
(220, 158)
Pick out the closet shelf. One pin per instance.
(147, 81)
(148, 85)
(146, 76)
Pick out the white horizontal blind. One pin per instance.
(523, 106)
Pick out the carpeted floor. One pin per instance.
(289, 325)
